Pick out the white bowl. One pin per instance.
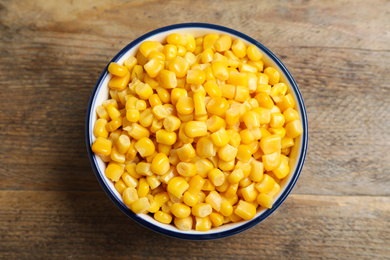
(297, 156)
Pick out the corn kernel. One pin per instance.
(195, 129)
(130, 63)
(216, 176)
(273, 75)
(119, 83)
(145, 146)
(214, 123)
(243, 153)
(226, 208)
(253, 53)
(163, 217)
(202, 210)
(245, 210)
(239, 48)
(195, 76)
(199, 104)
(223, 43)
(217, 106)
(185, 105)
(256, 172)
(129, 196)
(177, 186)
(265, 200)
(102, 146)
(179, 66)
(114, 171)
(294, 129)
(277, 120)
(186, 153)
(170, 51)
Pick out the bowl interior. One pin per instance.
(101, 93)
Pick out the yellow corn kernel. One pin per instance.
(191, 43)
(220, 71)
(99, 129)
(271, 161)
(226, 208)
(223, 43)
(180, 210)
(275, 190)
(282, 171)
(145, 146)
(160, 112)
(176, 94)
(227, 153)
(120, 186)
(186, 169)
(179, 66)
(113, 137)
(154, 206)
(130, 63)
(207, 55)
(264, 100)
(182, 135)
(161, 198)
(217, 106)
(102, 146)
(249, 193)
(251, 119)
(214, 199)
(232, 190)
(236, 176)
(143, 169)
(277, 120)
(208, 185)
(214, 123)
(110, 101)
(195, 129)
(196, 184)
(143, 188)
(114, 171)
(166, 207)
(116, 156)
(246, 136)
(154, 100)
(265, 200)
(186, 153)
(147, 47)
(278, 131)
(220, 137)
(239, 48)
(203, 167)
(253, 53)
(171, 123)
(244, 153)
(160, 164)
(264, 114)
(117, 69)
(286, 102)
(242, 93)
(129, 196)
(216, 176)
(153, 67)
(112, 111)
(234, 137)
(265, 88)
(208, 71)
(153, 181)
(294, 128)
(144, 90)
(208, 41)
(156, 55)
(256, 171)
(245, 210)
(199, 104)
(129, 180)
(185, 105)
(195, 76)
(184, 224)
(212, 89)
(138, 71)
(266, 184)
(132, 115)
(244, 67)
(216, 219)
(166, 137)
(137, 131)
(163, 217)
(131, 102)
(170, 51)
(140, 105)
(177, 186)
(270, 144)
(228, 91)
(177, 39)
(202, 210)
(202, 224)
(278, 91)
(119, 83)
(168, 79)
(273, 75)
(287, 142)
(102, 112)
(290, 115)
(205, 148)
(226, 166)
(190, 199)
(237, 78)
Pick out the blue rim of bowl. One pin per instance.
(221, 234)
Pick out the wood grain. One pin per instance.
(51, 55)
(51, 224)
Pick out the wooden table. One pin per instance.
(52, 53)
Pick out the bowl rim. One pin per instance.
(247, 224)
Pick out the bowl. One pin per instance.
(297, 156)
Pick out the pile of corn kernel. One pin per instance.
(196, 132)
